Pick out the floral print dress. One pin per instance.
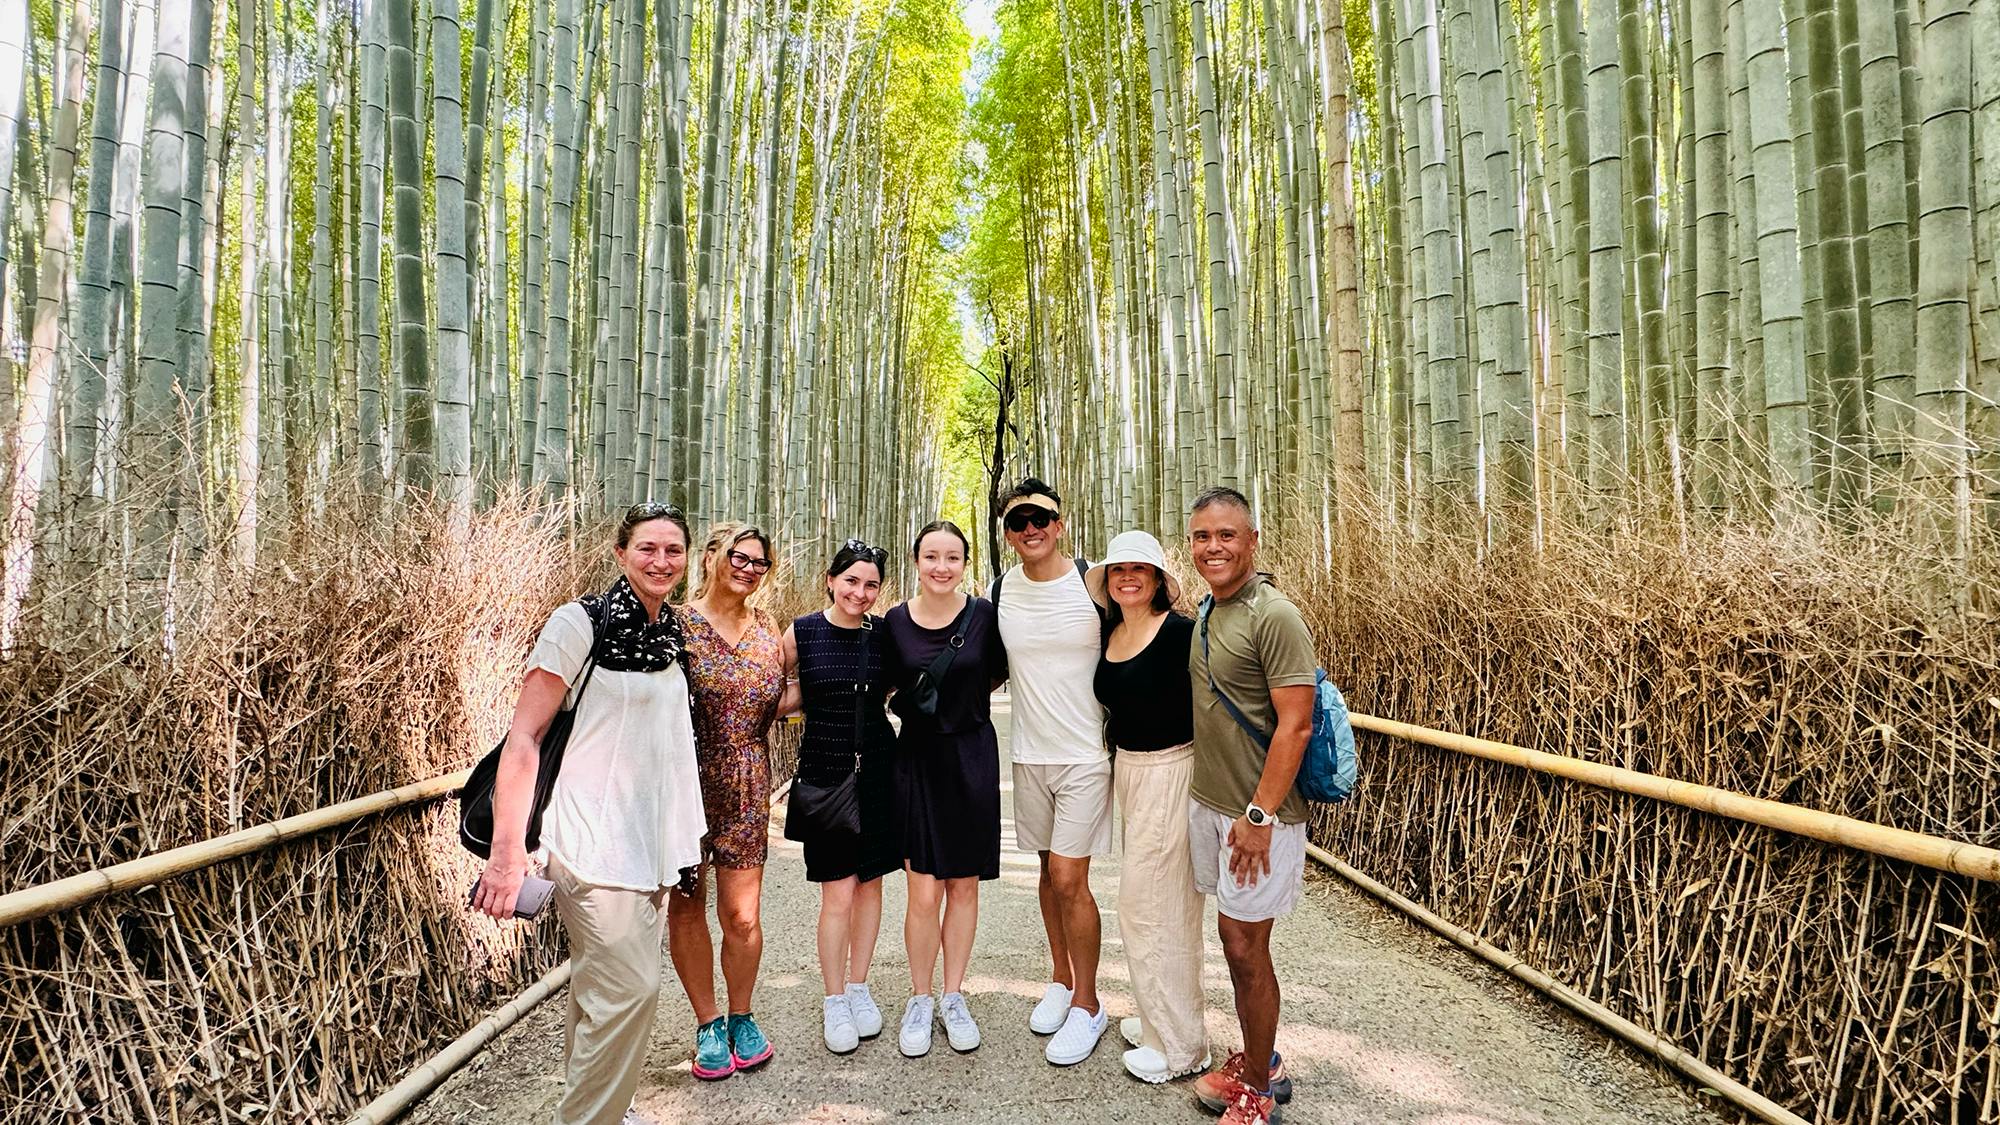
(736, 690)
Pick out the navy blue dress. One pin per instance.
(842, 671)
(948, 765)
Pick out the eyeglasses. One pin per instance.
(741, 561)
(1019, 519)
(652, 510)
(861, 550)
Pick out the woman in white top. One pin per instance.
(624, 821)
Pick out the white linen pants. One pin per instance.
(614, 991)
(1159, 910)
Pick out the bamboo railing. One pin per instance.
(75, 890)
(1971, 860)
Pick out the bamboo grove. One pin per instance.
(261, 256)
(1491, 264)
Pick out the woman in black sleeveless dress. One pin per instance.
(948, 782)
(842, 667)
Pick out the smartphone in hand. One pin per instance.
(531, 903)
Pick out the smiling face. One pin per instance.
(654, 559)
(1032, 543)
(742, 566)
(940, 563)
(1133, 586)
(855, 589)
(1224, 546)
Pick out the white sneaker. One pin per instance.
(1049, 1015)
(1133, 1031)
(958, 1023)
(915, 1038)
(1077, 1038)
(840, 1034)
(867, 1017)
(1148, 1065)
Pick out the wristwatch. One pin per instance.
(1257, 817)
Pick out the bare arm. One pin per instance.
(542, 694)
(1250, 847)
(793, 698)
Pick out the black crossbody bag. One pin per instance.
(832, 813)
(475, 801)
(922, 695)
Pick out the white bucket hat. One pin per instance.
(1131, 547)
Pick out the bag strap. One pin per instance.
(861, 688)
(1262, 739)
(596, 646)
(941, 663)
(993, 595)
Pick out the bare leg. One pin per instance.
(921, 933)
(1082, 928)
(738, 894)
(1247, 948)
(864, 926)
(693, 949)
(1052, 921)
(961, 920)
(836, 907)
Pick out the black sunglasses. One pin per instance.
(861, 550)
(652, 510)
(741, 561)
(1019, 519)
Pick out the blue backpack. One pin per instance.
(1330, 769)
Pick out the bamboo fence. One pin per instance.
(1848, 977)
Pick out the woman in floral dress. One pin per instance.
(736, 667)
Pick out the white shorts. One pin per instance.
(1064, 809)
(1274, 895)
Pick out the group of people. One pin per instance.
(666, 784)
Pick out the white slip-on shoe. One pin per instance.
(867, 1017)
(959, 1026)
(1148, 1065)
(1048, 1016)
(1077, 1037)
(839, 1026)
(915, 1038)
(1133, 1030)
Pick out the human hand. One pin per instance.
(1249, 852)
(500, 885)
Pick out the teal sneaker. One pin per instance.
(712, 1059)
(747, 1044)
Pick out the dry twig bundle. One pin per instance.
(1832, 673)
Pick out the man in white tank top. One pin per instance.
(1062, 772)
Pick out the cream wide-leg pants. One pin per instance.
(1159, 910)
(614, 991)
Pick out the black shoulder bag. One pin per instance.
(475, 801)
(921, 696)
(831, 814)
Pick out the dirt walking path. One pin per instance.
(1382, 1022)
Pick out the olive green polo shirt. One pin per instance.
(1256, 641)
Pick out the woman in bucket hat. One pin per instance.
(1142, 680)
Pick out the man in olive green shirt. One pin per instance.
(1246, 824)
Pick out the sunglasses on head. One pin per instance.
(863, 552)
(652, 510)
(1019, 519)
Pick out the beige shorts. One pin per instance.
(1274, 895)
(1065, 809)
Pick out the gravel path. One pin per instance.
(1382, 1022)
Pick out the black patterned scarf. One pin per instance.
(627, 640)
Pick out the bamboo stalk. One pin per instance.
(440, 1066)
(1877, 839)
(1730, 1090)
(63, 894)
